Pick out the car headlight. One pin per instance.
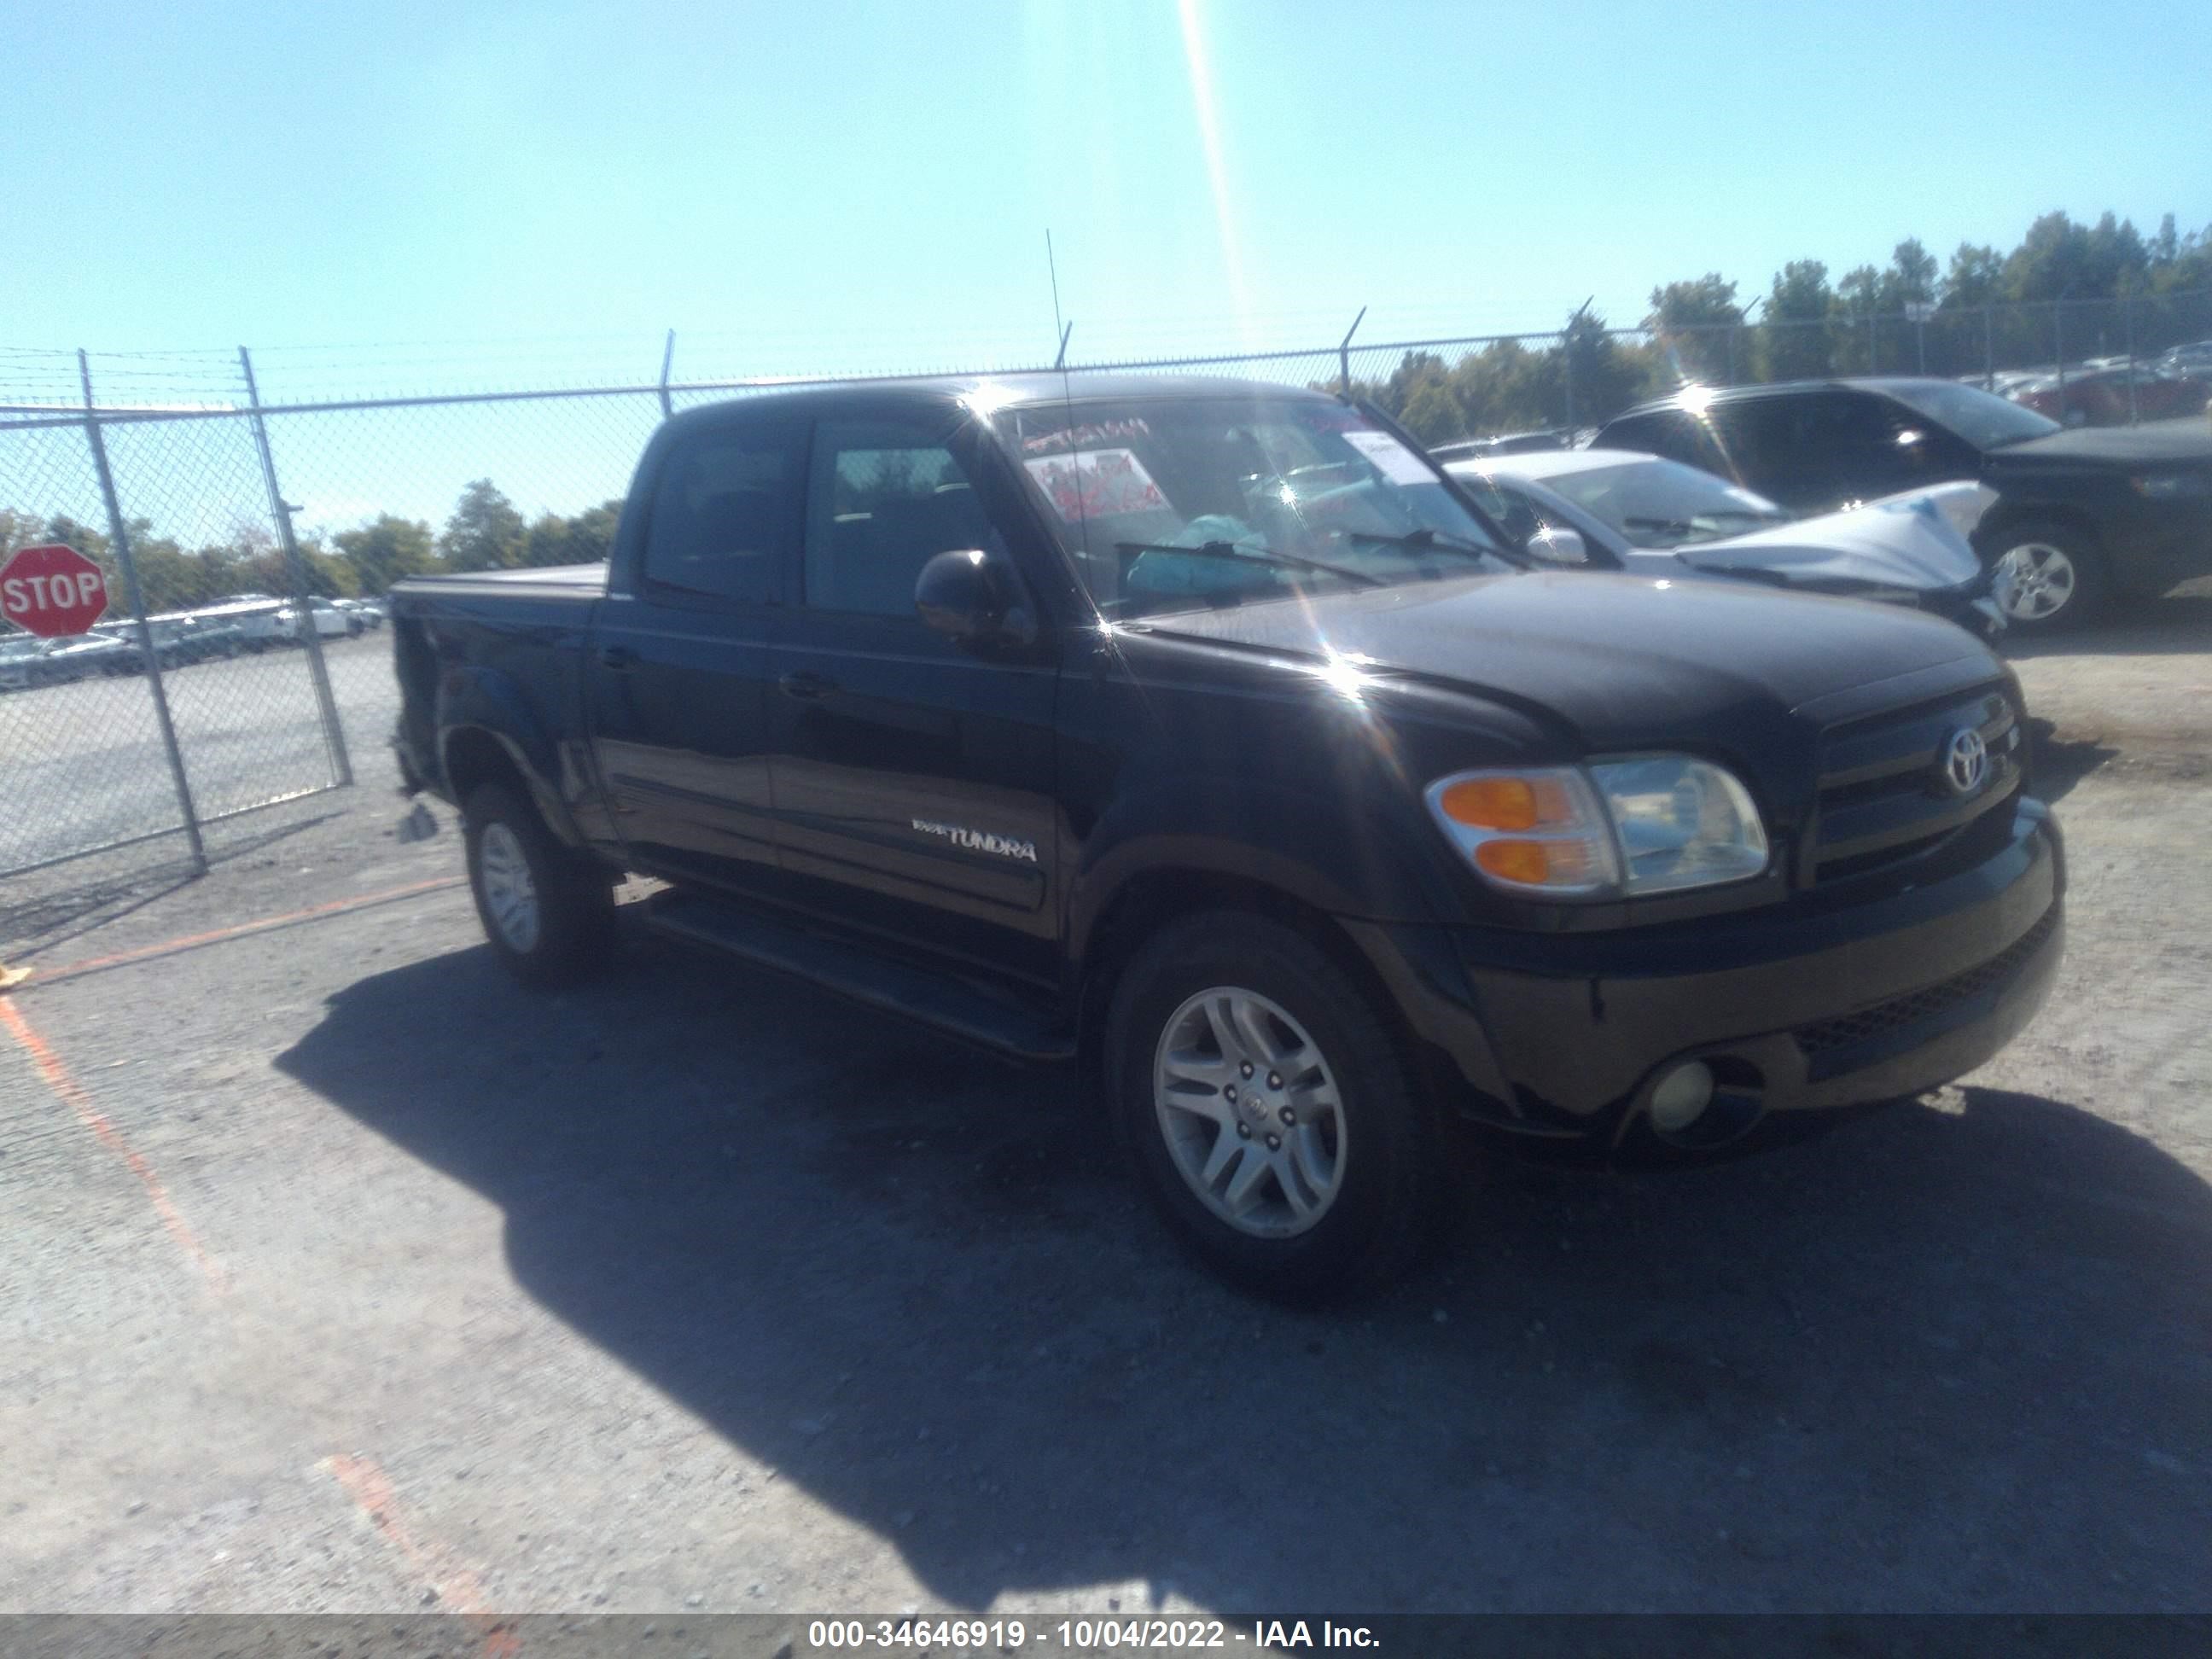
(1658, 824)
(2171, 486)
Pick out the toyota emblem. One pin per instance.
(1965, 762)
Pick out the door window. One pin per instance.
(725, 514)
(886, 499)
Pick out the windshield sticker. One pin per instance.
(1096, 483)
(1392, 458)
(1083, 437)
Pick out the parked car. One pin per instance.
(23, 663)
(217, 635)
(1207, 736)
(2192, 361)
(368, 612)
(1504, 443)
(1614, 509)
(182, 638)
(329, 622)
(104, 650)
(2080, 516)
(2112, 395)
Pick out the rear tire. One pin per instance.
(549, 912)
(2055, 573)
(1271, 1112)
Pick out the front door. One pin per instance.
(914, 779)
(678, 669)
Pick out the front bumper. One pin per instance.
(1830, 999)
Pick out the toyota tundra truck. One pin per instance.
(1205, 738)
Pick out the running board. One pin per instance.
(950, 1006)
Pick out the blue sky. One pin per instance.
(545, 187)
(407, 198)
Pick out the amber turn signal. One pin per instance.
(1524, 861)
(1506, 803)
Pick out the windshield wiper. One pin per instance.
(1424, 538)
(1247, 555)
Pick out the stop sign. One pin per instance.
(52, 591)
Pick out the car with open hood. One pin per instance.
(2083, 516)
(1614, 509)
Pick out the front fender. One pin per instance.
(1384, 879)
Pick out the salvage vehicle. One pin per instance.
(2082, 516)
(1614, 509)
(1207, 736)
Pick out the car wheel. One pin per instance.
(548, 913)
(2048, 576)
(1270, 1111)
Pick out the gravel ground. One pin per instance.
(341, 1275)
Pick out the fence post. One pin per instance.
(119, 536)
(2127, 322)
(303, 601)
(1344, 354)
(667, 357)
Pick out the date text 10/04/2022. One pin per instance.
(1084, 1634)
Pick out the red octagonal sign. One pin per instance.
(52, 591)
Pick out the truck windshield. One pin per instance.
(1172, 504)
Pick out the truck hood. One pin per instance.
(1902, 541)
(1625, 661)
(2162, 443)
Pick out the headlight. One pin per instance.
(1620, 828)
(2171, 486)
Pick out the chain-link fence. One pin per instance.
(195, 697)
(251, 520)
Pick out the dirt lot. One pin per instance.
(340, 1274)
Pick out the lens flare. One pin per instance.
(1217, 174)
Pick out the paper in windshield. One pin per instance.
(1096, 484)
(1392, 458)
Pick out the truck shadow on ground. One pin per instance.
(1949, 1357)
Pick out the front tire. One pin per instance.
(1271, 1112)
(548, 913)
(2049, 575)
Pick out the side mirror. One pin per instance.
(1557, 544)
(974, 599)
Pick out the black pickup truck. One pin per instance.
(1207, 735)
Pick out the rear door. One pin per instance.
(679, 664)
(914, 779)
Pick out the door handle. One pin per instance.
(804, 684)
(617, 656)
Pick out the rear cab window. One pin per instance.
(724, 515)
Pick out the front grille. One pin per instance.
(1883, 795)
(1847, 1030)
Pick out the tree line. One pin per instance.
(485, 532)
(2067, 290)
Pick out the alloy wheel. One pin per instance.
(1250, 1111)
(510, 891)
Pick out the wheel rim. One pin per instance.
(510, 893)
(1250, 1112)
(2036, 582)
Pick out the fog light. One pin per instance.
(1681, 1097)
